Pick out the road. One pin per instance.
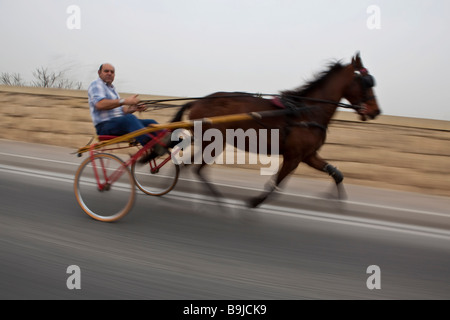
(184, 246)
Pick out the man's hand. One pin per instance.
(132, 100)
(134, 108)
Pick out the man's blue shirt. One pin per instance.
(97, 91)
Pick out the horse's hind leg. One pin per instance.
(210, 186)
(316, 162)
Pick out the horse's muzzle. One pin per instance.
(365, 112)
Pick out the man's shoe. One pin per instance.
(158, 150)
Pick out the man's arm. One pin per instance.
(108, 104)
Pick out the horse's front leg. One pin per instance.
(270, 187)
(289, 165)
(316, 162)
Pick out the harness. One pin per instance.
(293, 108)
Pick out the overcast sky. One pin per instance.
(191, 48)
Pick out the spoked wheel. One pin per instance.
(157, 177)
(104, 187)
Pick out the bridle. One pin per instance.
(367, 82)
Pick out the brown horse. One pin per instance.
(302, 128)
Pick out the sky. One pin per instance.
(191, 48)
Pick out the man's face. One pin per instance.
(107, 73)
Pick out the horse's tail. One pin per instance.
(183, 109)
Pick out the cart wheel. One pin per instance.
(104, 187)
(157, 177)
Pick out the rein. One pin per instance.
(339, 104)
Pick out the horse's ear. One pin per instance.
(356, 61)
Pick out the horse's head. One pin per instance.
(360, 92)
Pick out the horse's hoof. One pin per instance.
(342, 195)
(253, 203)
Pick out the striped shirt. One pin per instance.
(97, 91)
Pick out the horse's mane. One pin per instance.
(317, 82)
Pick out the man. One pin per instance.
(113, 115)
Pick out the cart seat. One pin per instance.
(106, 137)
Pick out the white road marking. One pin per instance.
(267, 209)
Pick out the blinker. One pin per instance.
(368, 81)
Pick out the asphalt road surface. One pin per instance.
(378, 244)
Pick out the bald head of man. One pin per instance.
(107, 72)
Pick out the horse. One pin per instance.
(303, 127)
